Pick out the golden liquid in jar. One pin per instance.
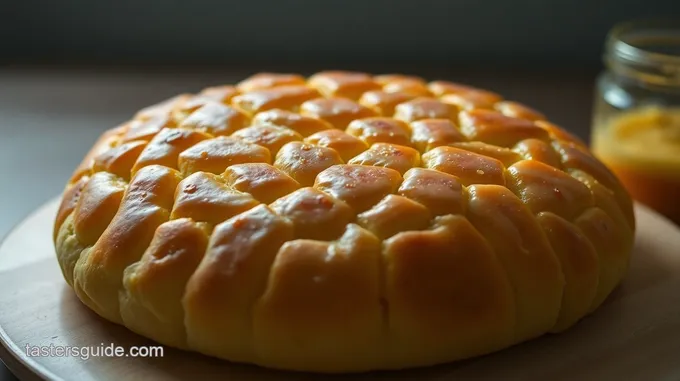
(642, 147)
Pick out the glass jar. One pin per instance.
(636, 123)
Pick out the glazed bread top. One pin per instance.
(357, 138)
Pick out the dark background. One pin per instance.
(70, 69)
(269, 33)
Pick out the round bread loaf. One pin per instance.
(343, 222)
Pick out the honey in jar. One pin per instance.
(636, 122)
(642, 147)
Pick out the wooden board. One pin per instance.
(634, 336)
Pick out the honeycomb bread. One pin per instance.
(342, 222)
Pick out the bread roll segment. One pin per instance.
(342, 222)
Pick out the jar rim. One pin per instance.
(631, 59)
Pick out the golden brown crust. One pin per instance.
(345, 144)
(283, 97)
(303, 125)
(153, 288)
(342, 222)
(380, 130)
(342, 84)
(268, 80)
(217, 154)
(146, 129)
(339, 112)
(216, 119)
(458, 302)
(425, 108)
(382, 102)
(427, 134)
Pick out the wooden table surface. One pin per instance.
(49, 117)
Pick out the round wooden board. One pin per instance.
(635, 335)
